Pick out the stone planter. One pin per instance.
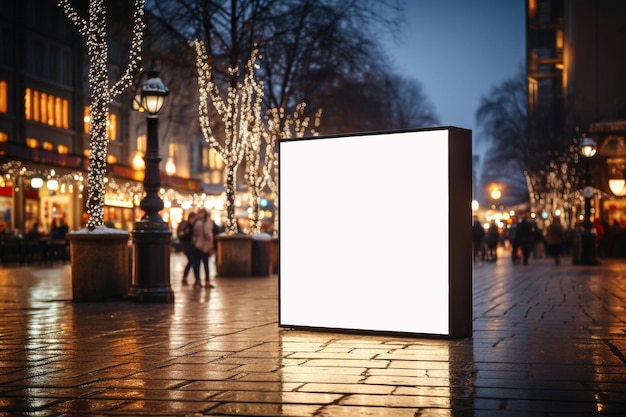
(234, 255)
(99, 264)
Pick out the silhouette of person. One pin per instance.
(493, 237)
(525, 236)
(555, 236)
(478, 234)
(185, 236)
(203, 244)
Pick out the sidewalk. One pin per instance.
(548, 340)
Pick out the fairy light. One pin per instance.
(280, 126)
(235, 116)
(93, 29)
(246, 133)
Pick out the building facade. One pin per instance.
(44, 125)
(576, 63)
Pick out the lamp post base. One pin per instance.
(588, 249)
(151, 263)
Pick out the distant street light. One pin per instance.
(588, 148)
(496, 193)
(152, 236)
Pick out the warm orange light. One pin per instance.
(495, 193)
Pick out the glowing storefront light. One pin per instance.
(36, 182)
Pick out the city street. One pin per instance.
(548, 340)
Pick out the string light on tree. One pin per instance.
(246, 131)
(280, 126)
(93, 28)
(234, 112)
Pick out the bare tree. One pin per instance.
(308, 46)
(501, 117)
(408, 104)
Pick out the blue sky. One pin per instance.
(459, 50)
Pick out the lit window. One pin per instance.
(32, 143)
(50, 104)
(215, 160)
(36, 107)
(48, 146)
(46, 108)
(3, 97)
(216, 177)
(86, 119)
(3, 137)
(111, 159)
(141, 143)
(58, 111)
(112, 126)
(66, 114)
(43, 103)
(63, 149)
(111, 123)
(28, 104)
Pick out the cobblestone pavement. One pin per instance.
(549, 340)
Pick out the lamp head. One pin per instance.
(588, 147)
(153, 93)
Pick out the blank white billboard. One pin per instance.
(365, 231)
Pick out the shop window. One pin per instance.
(47, 146)
(3, 97)
(32, 143)
(63, 149)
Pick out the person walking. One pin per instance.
(525, 236)
(185, 236)
(493, 237)
(554, 239)
(512, 237)
(203, 244)
(478, 233)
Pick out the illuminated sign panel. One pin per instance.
(375, 232)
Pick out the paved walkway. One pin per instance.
(549, 340)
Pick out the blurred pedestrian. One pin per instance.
(513, 241)
(184, 233)
(203, 244)
(493, 237)
(34, 232)
(478, 234)
(555, 236)
(525, 236)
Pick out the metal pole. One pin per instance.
(152, 237)
(588, 237)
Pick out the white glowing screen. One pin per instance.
(364, 232)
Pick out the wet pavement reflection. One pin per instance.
(548, 340)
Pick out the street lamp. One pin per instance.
(588, 148)
(152, 237)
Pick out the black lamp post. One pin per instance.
(152, 237)
(588, 148)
